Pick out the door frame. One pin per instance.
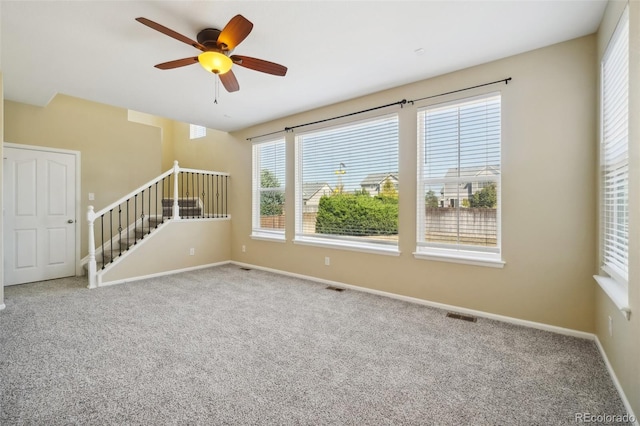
(77, 201)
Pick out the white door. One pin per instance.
(39, 215)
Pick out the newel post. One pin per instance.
(91, 217)
(176, 207)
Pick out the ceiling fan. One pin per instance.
(216, 47)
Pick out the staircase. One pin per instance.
(125, 240)
(188, 207)
(178, 193)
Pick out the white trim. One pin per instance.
(616, 292)
(161, 274)
(372, 248)
(268, 237)
(474, 259)
(78, 200)
(459, 258)
(200, 219)
(510, 320)
(615, 380)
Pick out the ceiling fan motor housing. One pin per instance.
(209, 38)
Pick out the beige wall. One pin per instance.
(166, 134)
(548, 198)
(117, 156)
(623, 347)
(208, 153)
(1, 194)
(168, 250)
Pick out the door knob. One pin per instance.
(70, 221)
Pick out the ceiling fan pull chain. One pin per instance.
(216, 90)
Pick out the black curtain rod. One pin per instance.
(401, 103)
(504, 80)
(289, 129)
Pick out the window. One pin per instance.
(614, 155)
(347, 186)
(268, 189)
(459, 181)
(196, 132)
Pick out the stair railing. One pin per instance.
(178, 193)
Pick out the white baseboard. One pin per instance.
(616, 382)
(525, 323)
(161, 274)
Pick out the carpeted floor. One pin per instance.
(228, 346)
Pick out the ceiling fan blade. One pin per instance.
(259, 65)
(167, 31)
(229, 81)
(234, 32)
(177, 63)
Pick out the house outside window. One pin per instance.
(459, 175)
(347, 186)
(268, 201)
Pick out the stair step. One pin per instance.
(186, 207)
(182, 202)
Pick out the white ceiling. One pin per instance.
(335, 50)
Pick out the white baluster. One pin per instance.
(176, 207)
(91, 217)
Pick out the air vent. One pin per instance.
(461, 317)
(335, 288)
(246, 269)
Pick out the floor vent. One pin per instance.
(246, 269)
(462, 317)
(335, 288)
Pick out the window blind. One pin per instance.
(269, 188)
(196, 131)
(459, 175)
(615, 153)
(347, 182)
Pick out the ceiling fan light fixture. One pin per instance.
(215, 62)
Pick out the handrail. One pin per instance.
(207, 172)
(211, 185)
(132, 194)
(151, 182)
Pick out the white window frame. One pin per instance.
(197, 132)
(614, 107)
(257, 232)
(336, 242)
(470, 255)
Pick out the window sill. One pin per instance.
(343, 245)
(616, 292)
(457, 257)
(268, 237)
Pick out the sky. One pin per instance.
(462, 137)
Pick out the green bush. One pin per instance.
(357, 215)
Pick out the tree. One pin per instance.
(430, 199)
(389, 190)
(271, 202)
(485, 198)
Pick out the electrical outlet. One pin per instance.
(327, 261)
(610, 327)
(92, 196)
(192, 251)
(244, 248)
